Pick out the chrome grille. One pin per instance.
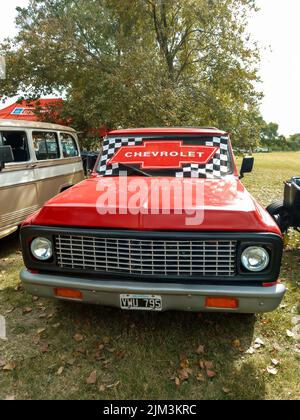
(147, 257)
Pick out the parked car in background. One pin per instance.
(37, 161)
(163, 223)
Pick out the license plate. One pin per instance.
(141, 302)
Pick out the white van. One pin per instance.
(37, 161)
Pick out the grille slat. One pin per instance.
(147, 257)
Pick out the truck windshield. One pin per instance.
(170, 156)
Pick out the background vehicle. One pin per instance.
(287, 212)
(37, 161)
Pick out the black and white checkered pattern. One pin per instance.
(216, 168)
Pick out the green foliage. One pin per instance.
(270, 137)
(140, 62)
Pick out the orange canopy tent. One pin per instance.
(25, 110)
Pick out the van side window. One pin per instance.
(45, 145)
(69, 145)
(17, 140)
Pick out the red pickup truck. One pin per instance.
(163, 223)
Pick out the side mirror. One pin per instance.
(6, 156)
(247, 166)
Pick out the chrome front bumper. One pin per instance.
(181, 297)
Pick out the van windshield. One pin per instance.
(170, 156)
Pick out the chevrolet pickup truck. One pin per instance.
(162, 223)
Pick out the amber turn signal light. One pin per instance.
(68, 293)
(221, 302)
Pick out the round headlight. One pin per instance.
(255, 258)
(41, 249)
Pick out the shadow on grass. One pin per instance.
(155, 343)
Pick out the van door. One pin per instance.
(58, 166)
(18, 191)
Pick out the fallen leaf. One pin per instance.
(27, 310)
(42, 316)
(177, 381)
(78, 338)
(9, 311)
(236, 343)
(92, 379)
(259, 342)
(226, 390)
(251, 350)
(290, 334)
(9, 367)
(184, 364)
(111, 350)
(200, 377)
(200, 350)
(211, 373)
(101, 346)
(35, 298)
(113, 385)
(121, 354)
(201, 364)
(60, 370)
(56, 325)
(275, 362)
(272, 370)
(44, 347)
(102, 388)
(208, 365)
(41, 330)
(183, 374)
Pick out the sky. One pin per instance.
(276, 28)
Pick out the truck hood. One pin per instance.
(210, 205)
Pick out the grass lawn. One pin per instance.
(53, 347)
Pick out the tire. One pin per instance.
(280, 214)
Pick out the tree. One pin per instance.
(140, 62)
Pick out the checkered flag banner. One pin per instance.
(216, 168)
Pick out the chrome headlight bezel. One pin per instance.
(246, 256)
(45, 247)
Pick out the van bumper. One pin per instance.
(179, 297)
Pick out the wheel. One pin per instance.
(280, 214)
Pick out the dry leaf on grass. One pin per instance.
(272, 370)
(259, 342)
(184, 374)
(92, 379)
(208, 365)
(113, 385)
(78, 337)
(27, 310)
(41, 330)
(290, 334)
(9, 367)
(44, 347)
(60, 370)
(226, 390)
(102, 388)
(210, 373)
(200, 349)
(200, 377)
(236, 343)
(275, 362)
(177, 381)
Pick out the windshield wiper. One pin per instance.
(133, 169)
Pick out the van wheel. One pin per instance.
(280, 214)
